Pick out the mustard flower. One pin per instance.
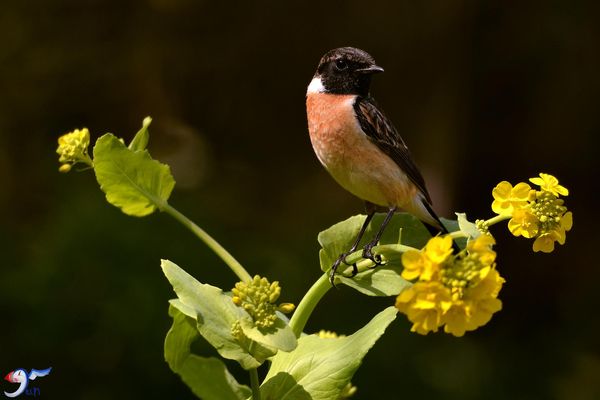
(545, 242)
(422, 304)
(549, 183)
(461, 296)
(535, 214)
(508, 198)
(523, 223)
(425, 264)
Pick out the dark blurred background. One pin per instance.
(482, 92)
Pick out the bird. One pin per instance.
(360, 147)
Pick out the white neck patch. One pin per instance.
(315, 86)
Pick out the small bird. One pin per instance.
(359, 146)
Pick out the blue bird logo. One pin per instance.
(21, 377)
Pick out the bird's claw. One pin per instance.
(336, 264)
(368, 254)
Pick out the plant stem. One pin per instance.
(458, 234)
(215, 246)
(255, 384)
(308, 303)
(496, 219)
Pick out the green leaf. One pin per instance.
(216, 314)
(131, 180)
(403, 228)
(414, 233)
(280, 336)
(140, 140)
(320, 368)
(337, 240)
(208, 378)
(383, 280)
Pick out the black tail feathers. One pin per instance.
(434, 230)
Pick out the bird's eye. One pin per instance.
(341, 64)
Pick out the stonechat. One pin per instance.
(360, 147)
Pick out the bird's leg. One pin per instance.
(342, 257)
(368, 250)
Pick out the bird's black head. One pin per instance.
(345, 70)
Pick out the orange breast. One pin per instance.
(330, 117)
(351, 158)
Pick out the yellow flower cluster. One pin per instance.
(258, 298)
(456, 291)
(538, 214)
(73, 148)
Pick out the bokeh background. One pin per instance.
(482, 91)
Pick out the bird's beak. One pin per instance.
(372, 69)
(8, 377)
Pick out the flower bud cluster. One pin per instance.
(73, 148)
(258, 298)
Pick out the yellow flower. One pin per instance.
(545, 242)
(534, 214)
(523, 223)
(508, 198)
(414, 264)
(477, 306)
(461, 296)
(425, 264)
(422, 303)
(482, 246)
(438, 248)
(550, 184)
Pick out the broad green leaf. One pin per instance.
(403, 228)
(414, 233)
(280, 336)
(320, 368)
(216, 314)
(337, 240)
(131, 180)
(383, 280)
(208, 377)
(140, 140)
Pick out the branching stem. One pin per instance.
(308, 303)
(496, 219)
(215, 246)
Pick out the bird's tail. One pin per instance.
(434, 230)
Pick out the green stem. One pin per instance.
(458, 234)
(308, 303)
(215, 246)
(322, 285)
(496, 219)
(255, 384)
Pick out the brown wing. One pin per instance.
(383, 134)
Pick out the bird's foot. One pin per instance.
(368, 254)
(341, 259)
